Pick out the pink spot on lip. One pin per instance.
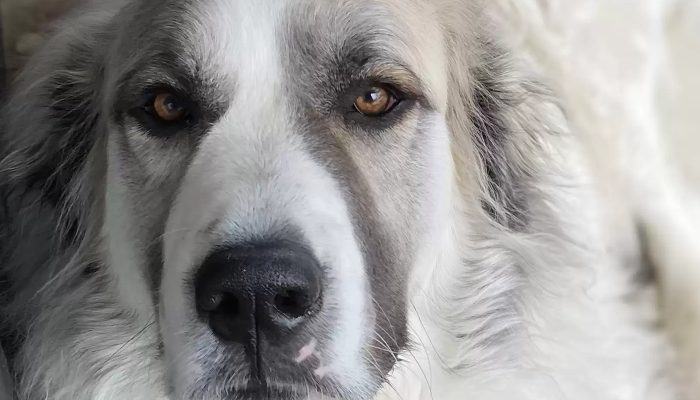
(306, 351)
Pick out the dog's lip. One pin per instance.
(271, 389)
(279, 391)
(268, 393)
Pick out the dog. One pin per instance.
(386, 199)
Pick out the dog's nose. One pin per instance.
(270, 288)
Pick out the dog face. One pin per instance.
(293, 159)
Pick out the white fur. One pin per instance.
(603, 60)
(124, 255)
(253, 176)
(610, 83)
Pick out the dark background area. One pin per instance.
(2, 59)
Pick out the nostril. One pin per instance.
(293, 303)
(227, 320)
(229, 305)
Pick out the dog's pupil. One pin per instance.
(172, 105)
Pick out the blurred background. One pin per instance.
(680, 102)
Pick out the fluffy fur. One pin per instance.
(526, 222)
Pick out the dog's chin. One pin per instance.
(272, 394)
(300, 390)
(294, 392)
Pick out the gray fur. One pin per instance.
(356, 45)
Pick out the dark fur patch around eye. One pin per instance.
(162, 72)
(504, 183)
(500, 130)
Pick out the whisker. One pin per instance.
(132, 339)
(376, 366)
(427, 335)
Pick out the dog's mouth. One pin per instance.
(267, 392)
(279, 391)
(285, 378)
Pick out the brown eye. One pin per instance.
(376, 101)
(169, 108)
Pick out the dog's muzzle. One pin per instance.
(268, 289)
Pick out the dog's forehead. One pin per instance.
(251, 39)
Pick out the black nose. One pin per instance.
(266, 287)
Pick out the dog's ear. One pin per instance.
(505, 127)
(49, 124)
(501, 116)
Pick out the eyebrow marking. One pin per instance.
(392, 72)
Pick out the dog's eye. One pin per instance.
(168, 107)
(165, 112)
(376, 101)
